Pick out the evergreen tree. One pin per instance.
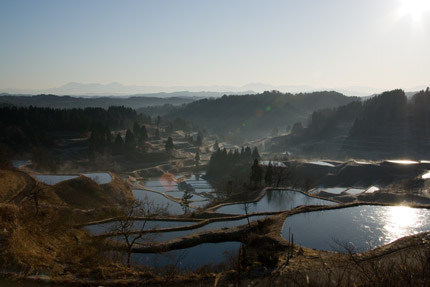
(169, 144)
(199, 140)
(130, 141)
(118, 145)
(268, 177)
(255, 154)
(136, 128)
(256, 173)
(197, 158)
(216, 146)
(143, 132)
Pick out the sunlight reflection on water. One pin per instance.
(363, 227)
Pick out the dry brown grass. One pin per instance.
(84, 193)
(11, 183)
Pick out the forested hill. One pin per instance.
(244, 117)
(68, 102)
(386, 126)
(391, 125)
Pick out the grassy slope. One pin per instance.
(11, 184)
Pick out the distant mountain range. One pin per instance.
(117, 89)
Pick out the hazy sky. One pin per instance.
(332, 43)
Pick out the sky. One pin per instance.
(382, 44)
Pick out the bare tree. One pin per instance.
(185, 202)
(246, 205)
(132, 221)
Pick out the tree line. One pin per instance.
(22, 128)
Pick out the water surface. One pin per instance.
(52, 179)
(275, 200)
(99, 177)
(165, 236)
(158, 199)
(190, 258)
(334, 190)
(321, 163)
(137, 225)
(363, 227)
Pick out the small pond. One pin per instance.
(372, 189)
(190, 258)
(20, 163)
(52, 179)
(274, 163)
(165, 236)
(172, 207)
(101, 228)
(275, 200)
(355, 191)
(150, 224)
(321, 163)
(334, 190)
(169, 182)
(362, 227)
(99, 177)
(403, 161)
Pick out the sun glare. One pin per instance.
(399, 219)
(414, 8)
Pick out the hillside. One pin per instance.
(386, 126)
(390, 125)
(82, 192)
(237, 118)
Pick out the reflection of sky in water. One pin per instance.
(363, 227)
(354, 191)
(19, 163)
(160, 200)
(371, 189)
(274, 163)
(168, 182)
(403, 161)
(190, 258)
(165, 236)
(334, 190)
(275, 200)
(150, 224)
(322, 163)
(51, 179)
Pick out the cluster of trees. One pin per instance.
(68, 102)
(384, 126)
(198, 142)
(223, 162)
(392, 125)
(238, 171)
(26, 127)
(134, 141)
(234, 171)
(326, 123)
